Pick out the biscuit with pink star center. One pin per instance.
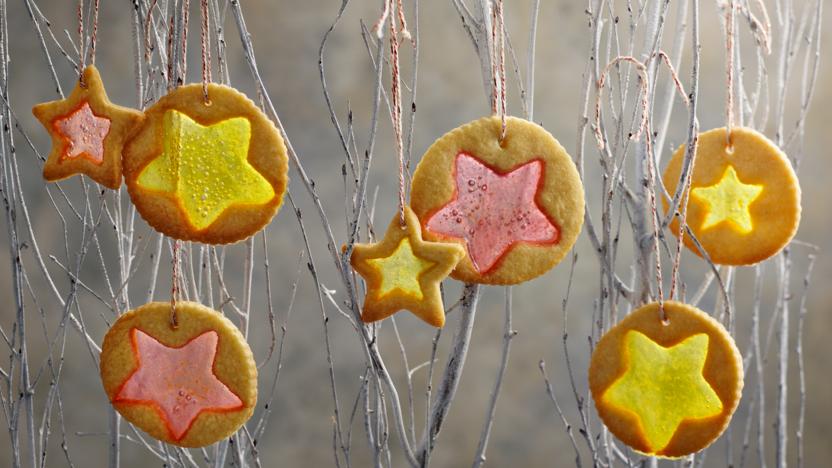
(178, 381)
(516, 205)
(189, 385)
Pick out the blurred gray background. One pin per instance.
(286, 35)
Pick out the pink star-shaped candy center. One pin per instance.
(84, 133)
(493, 211)
(178, 382)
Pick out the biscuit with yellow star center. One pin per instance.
(211, 172)
(666, 389)
(404, 272)
(744, 203)
(189, 385)
(88, 132)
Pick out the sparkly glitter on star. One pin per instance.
(206, 168)
(84, 133)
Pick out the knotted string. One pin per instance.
(643, 93)
(81, 41)
(174, 289)
(147, 23)
(186, 8)
(677, 258)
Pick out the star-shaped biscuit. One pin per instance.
(492, 211)
(729, 200)
(88, 132)
(404, 272)
(663, 386)
(178, 382)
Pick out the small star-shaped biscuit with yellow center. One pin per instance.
(88, 132)
(404, 272)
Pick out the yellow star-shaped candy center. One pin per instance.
(728, 200)
(206, 167)
(664, 386)
(401, 270)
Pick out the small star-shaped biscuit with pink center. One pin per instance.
(88, 132)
